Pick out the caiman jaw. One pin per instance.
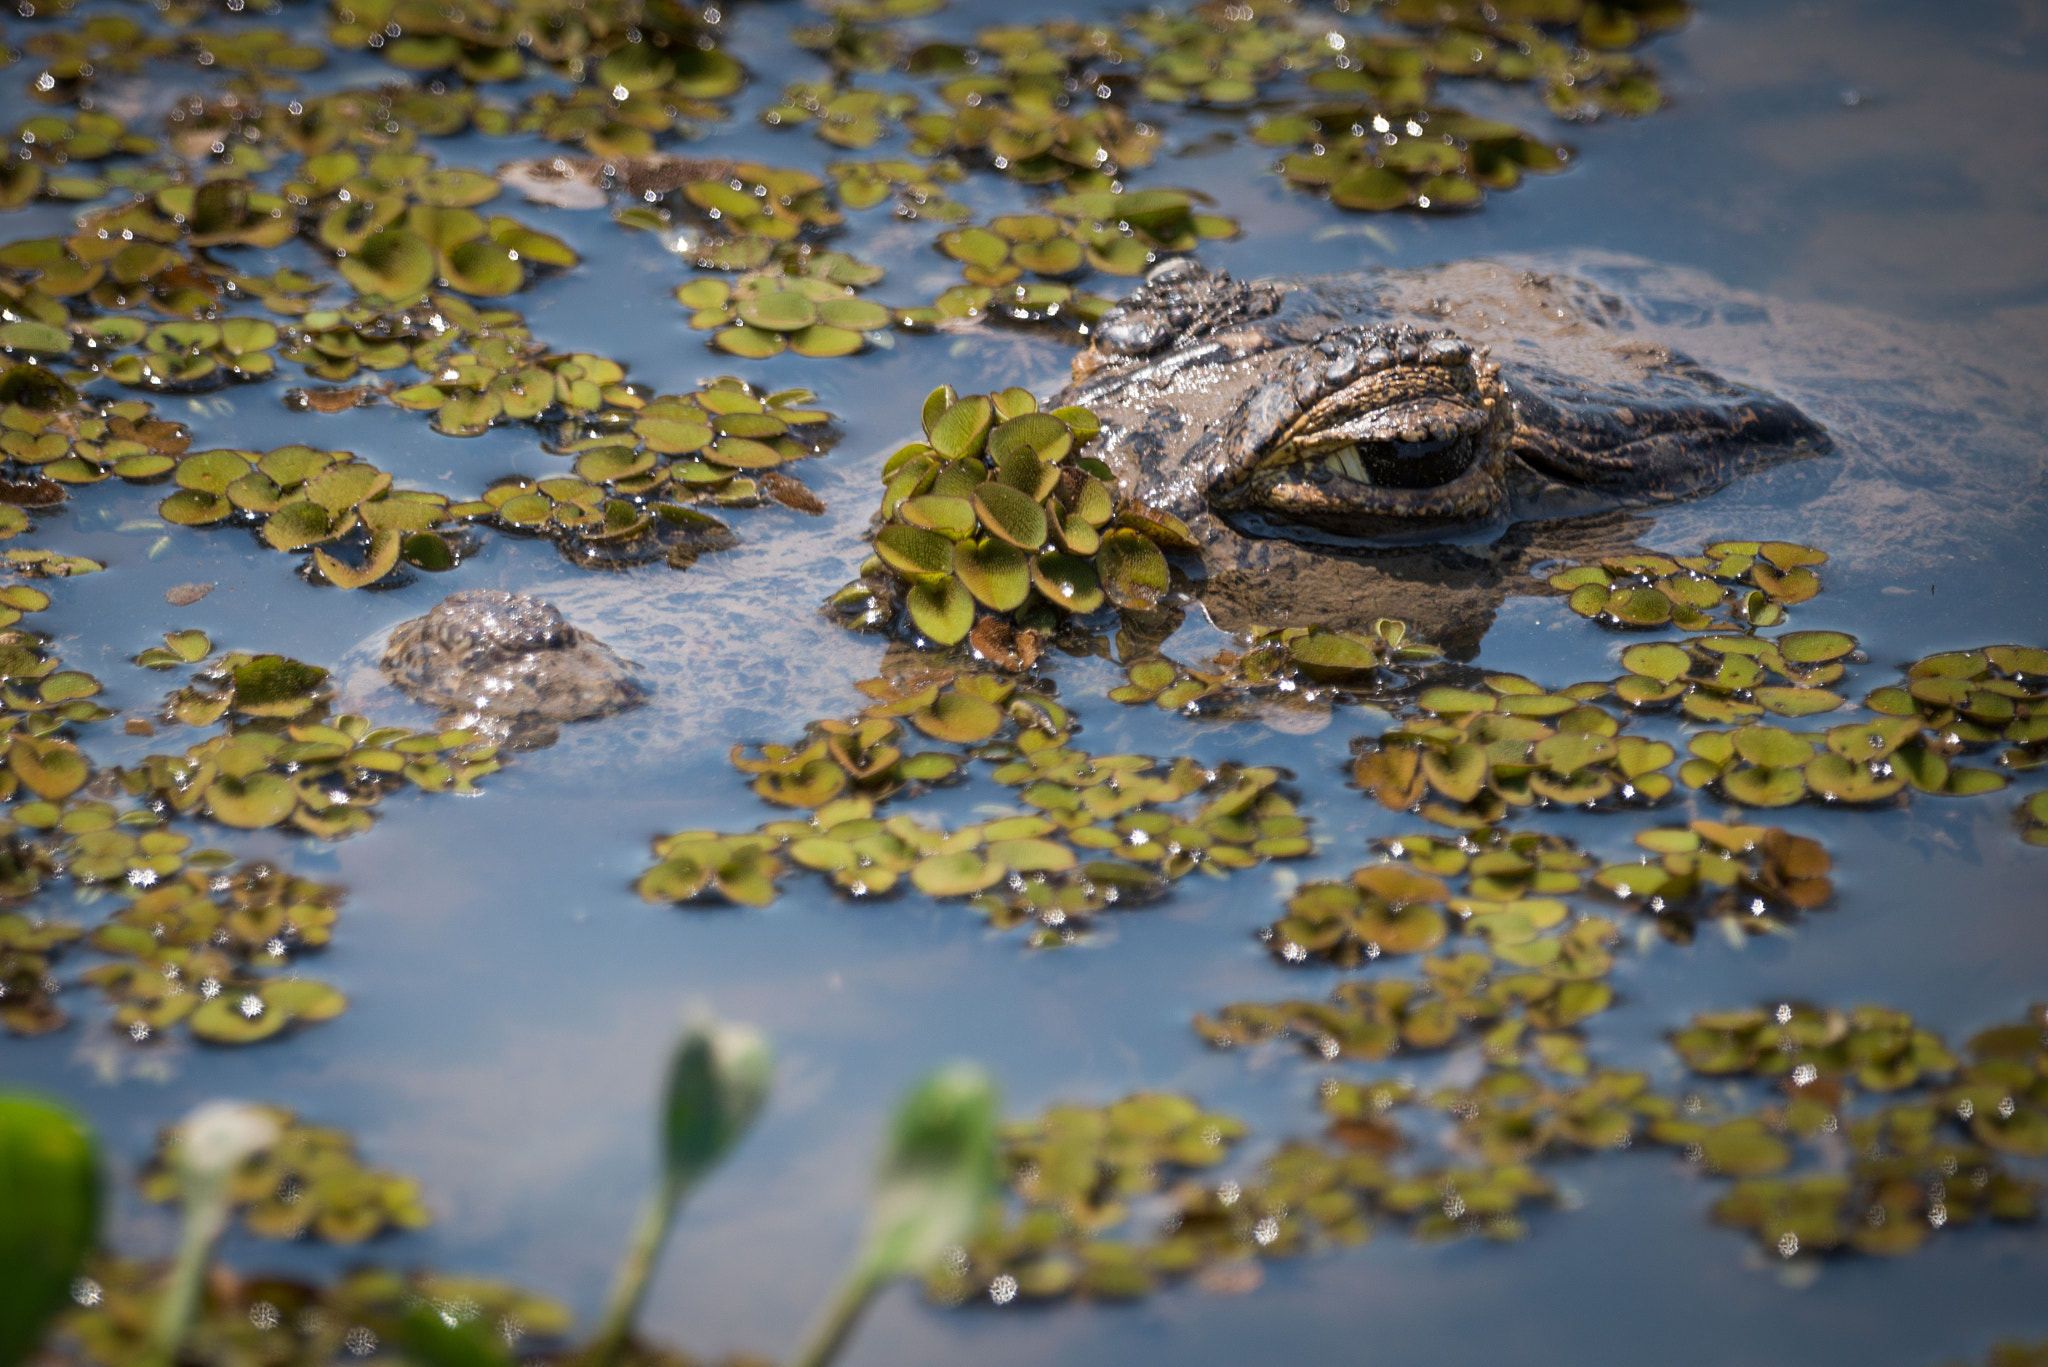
(1416, 436)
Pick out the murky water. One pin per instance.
(1868, 180)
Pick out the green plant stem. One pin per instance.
(636, 1269)
(830, 1330)
(205, 1215)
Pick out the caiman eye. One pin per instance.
(1417, 464)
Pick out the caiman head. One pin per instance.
(1292, 411)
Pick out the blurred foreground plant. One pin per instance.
(939, 1174)
(214, 1141)
(716, 1083)
(49, 1216)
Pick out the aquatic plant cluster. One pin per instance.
(189, 936)
(1540, 921)
(999, 543)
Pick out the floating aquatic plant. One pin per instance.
(282, 1318)
(320, 776)
(844, 117)
(1767, 766)
(2033, 816)
(1468, 755)
(406, 232)
(1514, 1009)
(1058, 103)
(1091, 831)
(1119, 233)
(1373, 154)
(192, 947)
(809, 306)
(1750, 582)
(1738, 678)
(1967, 699)
(637, 466)
(1479, 752)
(920, 187)
(996, 511)
(1076, 1170)
(747, 210)
(1386, 909)
(648, 63)
(1102, 833)
(1911, 1174)
(306, 1182)
(1296, 665)
(1754, 877)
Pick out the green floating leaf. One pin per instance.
(51, 769)
(914, 551)
(857, 315)
(484, 269)
(1132, 570)
(959, 717)
(778, 311)
(821, 341)
(943, 609)
(275, 685)
(962, 429)
(382, 559)
(1011, 514)
(1659, 661)
(1815, 647)
(194, 508)
(296, 526)
(253, 803)
(997, 574)
(1067, 581)
(393, 263)
(961, 874)
(1042, 435)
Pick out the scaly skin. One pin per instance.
(1314, 425)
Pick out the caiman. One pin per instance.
(1405, 443)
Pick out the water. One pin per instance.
(1866, 171)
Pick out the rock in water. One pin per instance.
(509, 665)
